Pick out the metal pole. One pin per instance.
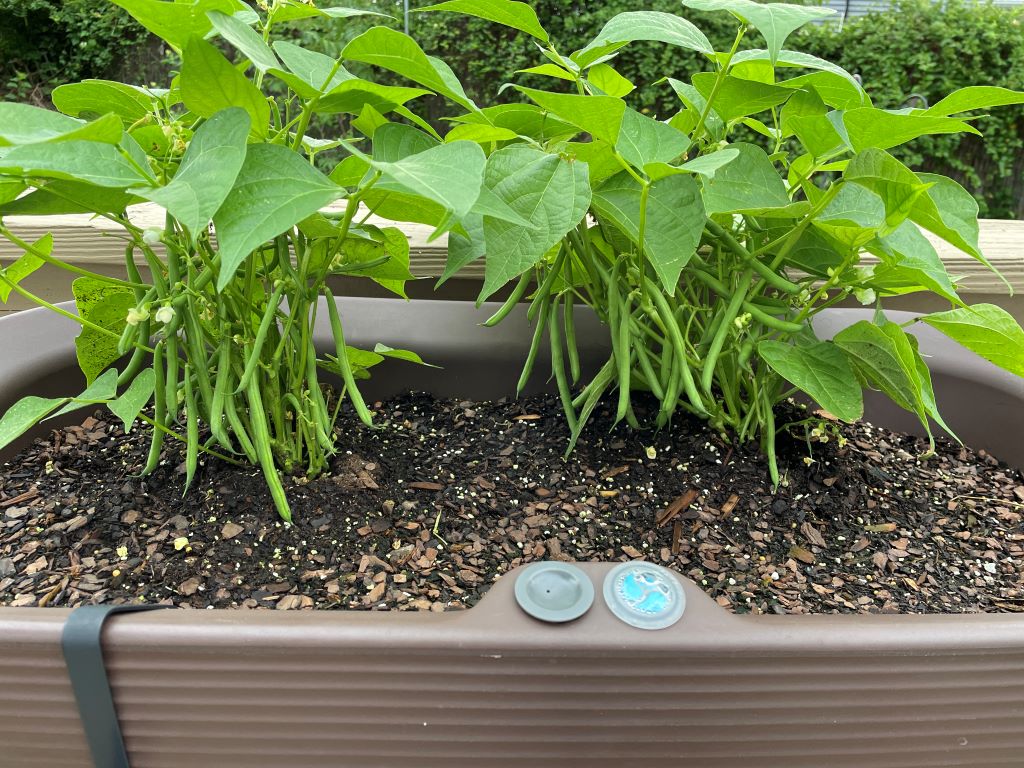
(405, 6)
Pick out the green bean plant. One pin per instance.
(212, 322)
(707, 258)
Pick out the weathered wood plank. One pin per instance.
(85, 240)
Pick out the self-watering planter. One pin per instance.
(494, 686)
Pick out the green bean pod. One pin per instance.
(343, 363)
(262, 444)
(239, 430)
(514, 298)
(138, 358)
(269, 314)
(569, 323)
(558, 366)
(732, 310)
(596, 388)
(192, 429)
(159, 410)
(531, 356)
(644, 361)
(623, 360)
(678, 351)
(539, 303)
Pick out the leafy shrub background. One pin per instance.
(919, 47)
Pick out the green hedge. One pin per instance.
(917, 48)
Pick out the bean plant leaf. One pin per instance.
(775, 21)
(103, 165)
(795, 60)
(986, 330)
(868, 127)
(550, 193)
(106, 306)
(522, 119)
(600, 116)
(910, 259)
(351, 95)
(10, 189)
(465, 248)
(737, 97)
(91, 98)
(674, 221)
(24, 415)
(506, 12)
(449, 174)
(839, 91)
(394, 141)
(400, 354)
(178, 21)
(822, 371)
(898, 187)
(245, 39)
(128, 406)
(975, 97)
(605, 78)
(275, 189)
(887, 360)
(747, 184)
(207, 171)
(100, 390)
(949, 211)
(645, 25)
(644, 140)
(25, 124)
(23, 266)
(854, 216)
(297, 12)
(399, 53)
(58, 197)
(310, 74)
(209, 83)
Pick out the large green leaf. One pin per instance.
(550, 193)
(399, 53)
(737, 97)
(949, 211)
(129, 405)
(695, 103)
(207, 171)
(23, 266)
(449, 174)
(822, 371)
(394, 141)
(9, 190)
(910, 260)
(89, 161)
(898, 186)
(245, 39)
(887, 360)
(297, 12)
(975, 97)
(748, 184)
(868, 127)
(209, 83)
(797, 60)
(986, 330)
(600, 116)
(59, 197)
(775, 21)
(466, 248)
(643, 140)
(104, 305)
(390, 242)
(507, 12)
(522, 119)
(98, 97)
(645, 25)
(837, 90)
(310, 74)
(674, 222)
(24, 415)
(351, 95)
(177, 21)
(22, 124)
(100, 391)
(275, 189)
(608, 81)
(854, 216)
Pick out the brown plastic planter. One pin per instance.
(492, 687)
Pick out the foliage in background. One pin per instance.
(44, 43)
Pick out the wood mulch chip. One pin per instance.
(426, 511)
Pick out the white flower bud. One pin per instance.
(152, 236)
(164, 315)
(865, 295)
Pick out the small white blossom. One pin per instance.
(164, 315)
(136, 316)
(865, 295)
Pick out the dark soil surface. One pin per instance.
(429, 509)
